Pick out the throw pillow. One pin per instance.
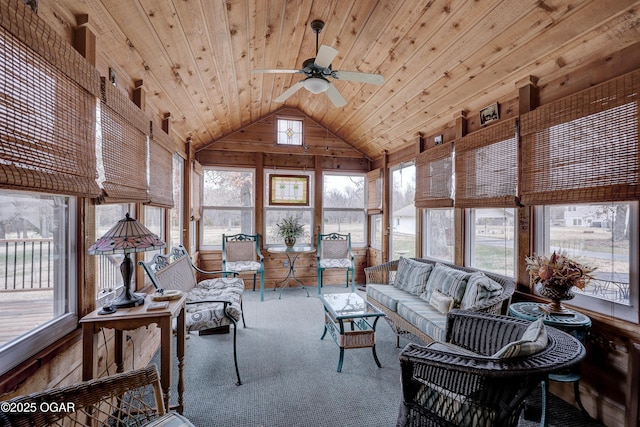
(480, 288)
(448, 281)
(402, 273)
(418, 277)
(533, 341)
(442, 303)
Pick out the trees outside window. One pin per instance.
(228, 204)
(403, 211)
(37, 273)
(343, 206)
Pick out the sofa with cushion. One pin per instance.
(417, 293)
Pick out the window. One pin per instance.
(375, 233)
(343, 206)
(176, 215)
(228, 205)
(108, 275)
(490, 240)
(438, 225)
(37, 273)
(609, 244)
(289, 132)
(274, 213)
(154, 221)
(403, 211)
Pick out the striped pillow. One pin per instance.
(448, 281)
(412, 275)
(533, 341)
(480, 288)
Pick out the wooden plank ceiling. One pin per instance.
(438, 57)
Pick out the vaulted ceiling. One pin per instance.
(438, 57)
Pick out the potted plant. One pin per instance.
(289, 228)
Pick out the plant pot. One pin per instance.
(289, 241)
(556, 296)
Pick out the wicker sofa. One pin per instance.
(416, 294)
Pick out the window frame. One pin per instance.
(426, 240)
(310, 208)
(361, 210)
(37, 339)
(598, 305)
(470, 237)
(278, 132)
(205, 208)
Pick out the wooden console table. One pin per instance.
(126, 319)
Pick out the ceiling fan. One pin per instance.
(318, 69)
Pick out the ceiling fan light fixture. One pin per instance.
(316, 85)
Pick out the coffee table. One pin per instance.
(350, 307)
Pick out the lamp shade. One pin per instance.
(316, 84)
(127, 236)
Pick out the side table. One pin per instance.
(126, 319)
(292, 254)
(574, 323)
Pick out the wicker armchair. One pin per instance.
(446, 388)
(132, 398)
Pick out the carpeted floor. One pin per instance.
(289, 375)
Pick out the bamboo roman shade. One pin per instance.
(486, 167)
(374, 191)
(124, 147)
(46, 117)
(583, 148)
(434, 177)
(160, 170)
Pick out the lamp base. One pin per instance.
(128, 299)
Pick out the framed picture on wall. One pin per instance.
(289, 190)
(489, 114)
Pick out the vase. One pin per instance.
(289, 241)
(556, 294)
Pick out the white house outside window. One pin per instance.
(602, 235)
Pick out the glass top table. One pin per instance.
(292, 254)
(363, 317)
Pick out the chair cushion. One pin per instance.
(480, 288)
(533, 340)
(242, 266)
(412, 276)
(240, 251)
(424, 317)
(441, 302)
(205, 315)
(170, 420)
(335, 263)
(447, 280)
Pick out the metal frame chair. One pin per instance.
(241, 253)
(334, 252)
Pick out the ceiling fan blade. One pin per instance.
(355, 76)
(274, 71)
(287, 93)
(326, 54)
(335, 97)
